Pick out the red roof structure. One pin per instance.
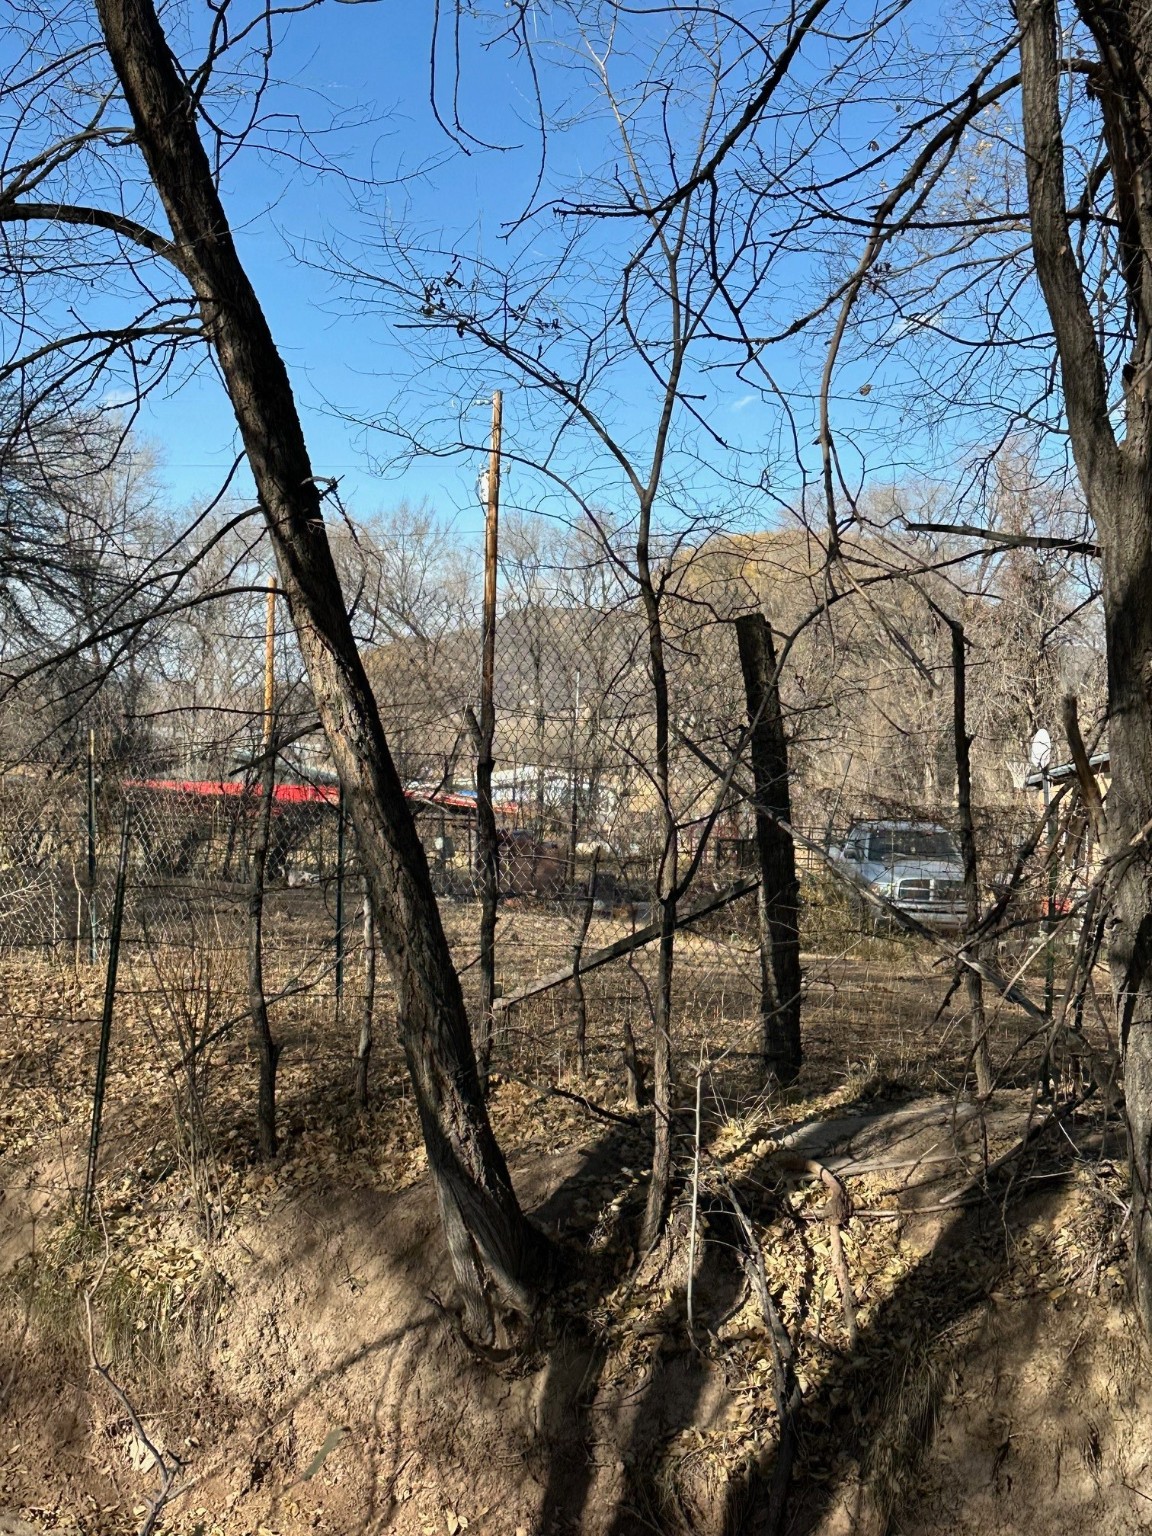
(302, 794)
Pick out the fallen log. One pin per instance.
(630, 942)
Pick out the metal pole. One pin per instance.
(574, 781)
(106, 1018)
(264, 780)
(92, 915)
(341, 823)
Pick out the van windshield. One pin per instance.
(910, 843)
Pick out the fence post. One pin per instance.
(1050, 902)
(92, 914)
(778, 902)
(106, 1017)
(341, 826)
(962, 743)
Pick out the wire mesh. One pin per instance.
(581, 816)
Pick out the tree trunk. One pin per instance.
(1128, 624)
(663, 1080)
(266, 1048)
(487, 841)
(1117, 483)
(491, 1243)
(778, 900)
(961, 743)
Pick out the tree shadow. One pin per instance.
(601, 1254)
(682, 1387)
(878, 1405)
(881, 1416)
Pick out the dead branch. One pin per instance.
(1089, 788)
(837, 1211)
(1010, 540)
(168, 1469)
(786, 1384)
(633, 941)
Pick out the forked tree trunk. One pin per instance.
(778, 899)
(493, 1246)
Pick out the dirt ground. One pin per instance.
(281, 1335)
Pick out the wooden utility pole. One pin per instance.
(269, 662)
(779, 890)
(266, 1048)
(488, 861)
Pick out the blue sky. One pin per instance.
(372, 62)
(373, 65)
(357, 77)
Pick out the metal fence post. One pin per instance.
(106, 1018)
(92, 913)
(341, 840)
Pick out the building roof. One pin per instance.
(1100, 762)
(307, 794)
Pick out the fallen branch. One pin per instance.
(849, 877)
(556, 1092)
(168, 1469)
(836, 1213)
(626, 945)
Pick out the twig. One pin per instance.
(786, 1383)
(168, 1469)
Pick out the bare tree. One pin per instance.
(495, 1251)
(1110, 421)
(653, 311)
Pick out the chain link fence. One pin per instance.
(582, 822)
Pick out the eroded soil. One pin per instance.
(283, 1336)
